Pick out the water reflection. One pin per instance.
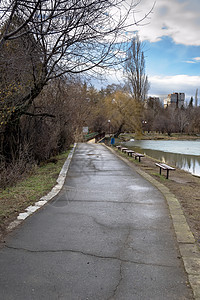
(185, 161)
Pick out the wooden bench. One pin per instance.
(139, 155)
(118, 147)
(124, 149)
(130, 152)
(165, 167)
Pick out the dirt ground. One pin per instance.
(184, 186)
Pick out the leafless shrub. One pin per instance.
(16, 170)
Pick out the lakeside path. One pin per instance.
(106, 235)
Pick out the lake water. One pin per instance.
(182, 154)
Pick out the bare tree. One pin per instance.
(152, 108)
(196, 98)
(134, 71)
(193, 114)
(59, 37)
(71, 36)
(182, 120)
(136, 79)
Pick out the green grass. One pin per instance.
(29, 190)
(161, 177)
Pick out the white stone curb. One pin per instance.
(43, 200)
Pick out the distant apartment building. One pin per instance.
(151, 101)
(176, 100)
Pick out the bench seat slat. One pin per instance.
(124, 149)
(165, 167)
(139, 155)
(129, 151)
(161, 166)
(168, 167)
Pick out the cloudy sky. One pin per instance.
(171, 37)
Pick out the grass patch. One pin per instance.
(161, 177)
(124, 137)
(29, 190)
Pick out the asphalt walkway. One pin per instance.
(107, 235)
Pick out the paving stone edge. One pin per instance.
(43, 200)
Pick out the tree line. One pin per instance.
(115, 109)
(45, 47)
(48, 51)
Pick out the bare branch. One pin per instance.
(38, 115)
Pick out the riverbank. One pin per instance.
(125, 137)
(182, 184)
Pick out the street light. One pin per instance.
(144, 123)
(109, 127)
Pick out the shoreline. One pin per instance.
(158, 136)
(179, 153)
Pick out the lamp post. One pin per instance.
(109, 127)
(144, 123)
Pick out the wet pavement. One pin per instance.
(107, 235)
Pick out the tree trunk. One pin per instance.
(11, 140)
(119, 130)
(11, 136)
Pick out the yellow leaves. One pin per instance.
(9, 91)
(8, 97)
(3, 123)
(121, 108)
(7, 107)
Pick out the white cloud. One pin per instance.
(178, 83)
(177, 19)
(189, 62)
(193, 61)
(159, 85)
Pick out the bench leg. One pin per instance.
(139, 158)
(167, 174)
(160, 170)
